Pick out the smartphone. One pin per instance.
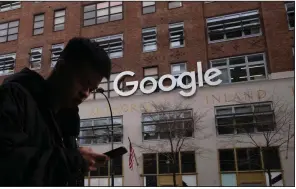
(113, 153)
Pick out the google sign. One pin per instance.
(209, 75)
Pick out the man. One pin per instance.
(35, 140)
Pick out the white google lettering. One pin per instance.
(209, 75)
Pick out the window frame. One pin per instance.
(147, 30)
(95, 10)
(61, 45)
(34, 21)
(108, 177)
(18, 5)
(286, 8)
(41, 57)
(143, 7)
(7, 30)
(246, 65)
(171, 27)
(221, 18)
(57, 17)
(234, 115)
(8, 55)
(174, 2)
(158, 121)
(236, 170)
(102, 127)
(107, 39)
(157, 174)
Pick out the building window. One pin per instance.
(7, 62)
(59, 20)
(9, 5)
(242, 166)
(241, 68)
(98, 131)
(148, 7)
(245, 118)
(177, 70)
(156, 168)
(113, 45)
(102, 12)
(176, 35)
(56, 50)
(150, 72)
(290, 8)
(38, 24)
(102, 176)
(35, 58)
(108, 86)
(9, 31)
(174, 4)
(234, 26)
(149, 39)
(170, 124)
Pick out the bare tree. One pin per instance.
(274, 123)
(176, 124)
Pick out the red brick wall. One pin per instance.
(276, 39)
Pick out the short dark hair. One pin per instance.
(81, 51)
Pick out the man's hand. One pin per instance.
(92, 158)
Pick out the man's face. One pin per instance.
(79, 86)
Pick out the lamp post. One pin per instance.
(100, 90)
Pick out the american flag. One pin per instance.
(132, 156)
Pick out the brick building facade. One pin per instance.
(158, 38)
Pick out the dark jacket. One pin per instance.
(35, 148)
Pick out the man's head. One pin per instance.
(81, 67)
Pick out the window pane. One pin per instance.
(150, 181)
(102, 12)
(3, 26)
(114, 17)
(12, 37)
(38, 31)
(39, 18)
(188, 162)
(60, 13)
(249, 159)
(237, 60)
(238, 74)
(38, 24)
(271, 158)
(59, 20)
(116, 9)
(189, 180)
(2, 39)
(223, 111)
(227, 162)
(3, 32)
(102, 19)
(147, 10)
(175, 4)
(102, 5)
(13, 24)
(89, 8)
(257, 72)
(12, 31)
(89, 22)
(255, 58)
(149, 163)
(228, 179)
(59, 27)
(262, 107)
(146, 3)
(114, 3)
(243, 109)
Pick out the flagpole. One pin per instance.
(135, 156)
